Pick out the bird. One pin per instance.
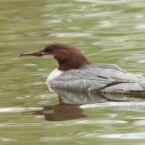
(76, 72)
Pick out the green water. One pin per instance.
(105, 31)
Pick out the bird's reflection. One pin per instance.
(60, 112)
(69, 104)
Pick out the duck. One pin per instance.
(76, 72)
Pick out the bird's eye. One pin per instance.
(49, 49)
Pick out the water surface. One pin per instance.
(106, 32)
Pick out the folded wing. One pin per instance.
(97, 77)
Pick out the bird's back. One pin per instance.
(99, 77)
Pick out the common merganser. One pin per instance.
(75, 72)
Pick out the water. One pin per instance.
(106, 32)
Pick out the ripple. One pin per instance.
(104, 1)
(102, 14)
(137, 135)
(140, 27)
(46, 139)
(7, 110)
(17, 109)
(30, 64)
(7, 139)
(71, 35)
(106, 24)
(141, 61)
(19, 124)
(101, 122)
(139, 122)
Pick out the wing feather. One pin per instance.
(95, 77)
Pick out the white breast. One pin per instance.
(55, 73)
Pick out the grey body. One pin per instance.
(99, 77)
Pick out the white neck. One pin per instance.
(55, 73)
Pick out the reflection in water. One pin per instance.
(60, 112)
(70, 102)
(78, 97)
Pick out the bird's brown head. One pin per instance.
(67, 55)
